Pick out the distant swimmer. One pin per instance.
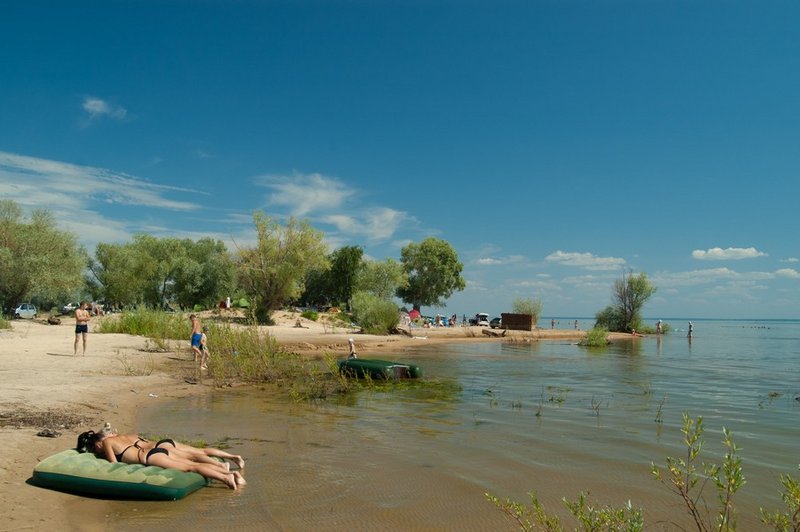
(691, 330)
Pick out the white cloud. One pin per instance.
(41, 183)
(376, 224)
(727, 254)
(304, 194)
(791, 259)
(585, 260)
(97, 108)
(491, 261)
(789, 273)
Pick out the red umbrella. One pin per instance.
(414, 314)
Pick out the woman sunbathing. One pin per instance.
(166, 453)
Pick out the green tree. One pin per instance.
(345, 264)
(434, 273)
(206, 276)
(116, 274)
(374, 314)
(37, 260)
(381, 278)
(273, 272)
(629, 295)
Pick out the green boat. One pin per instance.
(378, 369)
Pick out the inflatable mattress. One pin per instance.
(84, 473)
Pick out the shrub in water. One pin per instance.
(597, 337)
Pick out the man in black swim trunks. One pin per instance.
(82, 318)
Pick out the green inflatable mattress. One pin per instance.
(86, 474)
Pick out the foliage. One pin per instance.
(597, 337)
(334, 283)
(629, 295)
(4, 323)
(786, 521)
(155, 324)
(157, 271)
(532, 307)
(37, 261)
(434, 273)
(687, 478)
(589, 518)
(381, 278)
(273, 272)
(310, 315)
(373, 314)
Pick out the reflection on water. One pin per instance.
(552, 417)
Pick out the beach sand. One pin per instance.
(46, 387)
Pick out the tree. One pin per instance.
(334, 283)
(434, 273)
(207, 275)
(345, 264)
(158, 271)
(381, 278)
(37, 260)
(273, 272)
(629, 295)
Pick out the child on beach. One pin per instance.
(204, 354)
(196, 335)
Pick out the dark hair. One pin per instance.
(87, 441)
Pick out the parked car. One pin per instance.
(69, 308)
(496, 323)
(481, 319)
(25, 310)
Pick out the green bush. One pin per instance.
(528, 306)
(154, 324)
(4, 323)
(374, 314)
(310, 315)
(597, 337)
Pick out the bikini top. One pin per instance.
(134, 444)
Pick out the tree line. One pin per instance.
(288, 264)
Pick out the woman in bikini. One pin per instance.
(133, 449)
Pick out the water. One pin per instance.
(551, 417)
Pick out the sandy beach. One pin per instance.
(45, 387)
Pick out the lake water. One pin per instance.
(545, 416)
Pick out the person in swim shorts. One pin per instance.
(197, 337)
(82, 318)
(166, 453)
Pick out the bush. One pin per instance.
(310, 315)
(154, 324)
(610, 318)
(597, 337)
(373, 314)
(4, 323)
(532, 307)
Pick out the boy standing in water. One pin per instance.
(196, 336)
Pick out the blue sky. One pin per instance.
(552, 143)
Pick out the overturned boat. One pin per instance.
(378, 369)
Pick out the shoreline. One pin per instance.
(46, 385)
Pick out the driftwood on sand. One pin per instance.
(490, 332)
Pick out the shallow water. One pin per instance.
(551, 417)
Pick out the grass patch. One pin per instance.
(597, 337)
(4, 323)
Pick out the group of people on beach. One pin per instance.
(209, 462)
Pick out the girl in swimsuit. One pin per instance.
(133, 449)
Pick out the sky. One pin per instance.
(554, 144)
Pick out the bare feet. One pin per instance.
(230, 481)
(239, 461)
(240, 481)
